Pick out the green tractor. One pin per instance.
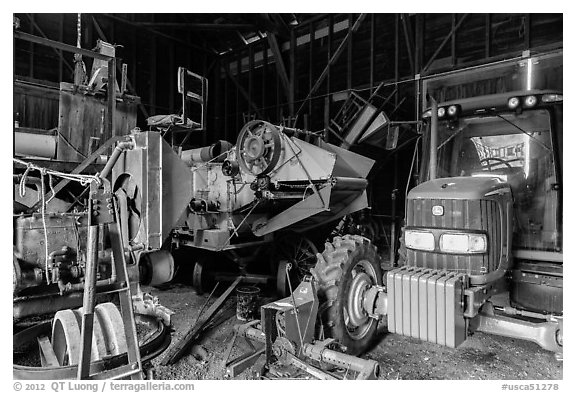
(481, 249)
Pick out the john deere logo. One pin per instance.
(438, 210)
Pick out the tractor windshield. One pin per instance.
(516, 148)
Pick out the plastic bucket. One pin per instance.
(246, 303)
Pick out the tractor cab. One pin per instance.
(516, 138)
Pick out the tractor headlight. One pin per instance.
(419, 240)
(463, 243)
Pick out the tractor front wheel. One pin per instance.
(344, 271)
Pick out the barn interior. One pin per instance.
(324, 128)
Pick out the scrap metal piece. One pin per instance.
(178, 350)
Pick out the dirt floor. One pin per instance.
(482, 356)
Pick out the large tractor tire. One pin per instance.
(343, 271)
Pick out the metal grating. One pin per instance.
(475, 215)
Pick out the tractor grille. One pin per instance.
(480, 215)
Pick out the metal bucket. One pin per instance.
(246, 303)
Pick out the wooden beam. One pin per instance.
(200, 26)
(396, 47)
(31, 47)
(526, 31)
(58, 52)
(329, 52)
(280, 67)
(349, 62)
(409, 41)
(226, 67)
(152, 75)
(243, 92)
(61, 39)
(333, 59)
(159, 33)
(264, 75)
(250, 71)
(292, 96)
(372, 55)
(283, 28)
(443, 43)
(130, 85)
(310, 69)
(487, 34)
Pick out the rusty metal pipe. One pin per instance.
(120, 147)
(368, 369)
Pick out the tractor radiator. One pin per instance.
(427, 304)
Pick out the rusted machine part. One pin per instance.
(36, 145)
(214, 153)
(366, 368)
(154, 344)
(156, 267)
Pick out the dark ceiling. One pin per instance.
(218, 33)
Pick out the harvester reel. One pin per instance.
(347, 267)
(259, 147)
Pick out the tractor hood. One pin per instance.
(469, 188)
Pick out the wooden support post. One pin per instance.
(131, 84)
(280, 67)
(244, 93)
(264, 78)
(31, 48)
(396, 54)
(526, 31)
(250, 72)
(328, 74)
(61, 39)
(333, 59)
(349, 62)
(237, 82)
(310, 71)
(443, 43)
(292, 96)
(226, 68)
(152, 75)
(372, 54)
(453, 43)
(171, 79)
(418, 43)
(487, 35)
(409, 41)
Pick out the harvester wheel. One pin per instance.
(300, 252)
(346, 268)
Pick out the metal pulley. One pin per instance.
(230, 168)
(259, 147)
